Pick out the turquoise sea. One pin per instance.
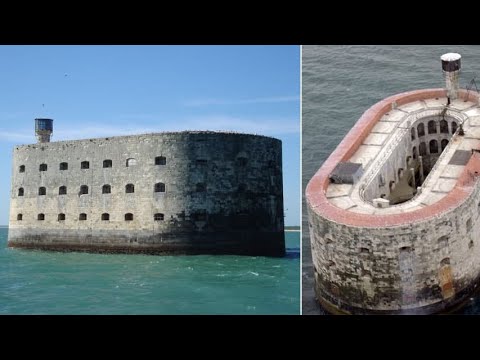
(37, 282)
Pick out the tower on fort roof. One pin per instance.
(43, 129)
(451, 69)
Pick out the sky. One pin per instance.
(97, 91)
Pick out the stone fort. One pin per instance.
(191, 192)
(394, 212)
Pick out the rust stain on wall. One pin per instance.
(446, 281)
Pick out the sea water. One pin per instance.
(40, 282)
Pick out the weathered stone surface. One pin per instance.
(223, 193)
(418, 256)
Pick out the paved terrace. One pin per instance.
(371, 141)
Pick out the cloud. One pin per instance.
(265, 100)
(27, 136)
(95, 131)
(261, 126)
(137, 116)
(214, 123)
(14, 115)
(15, 136)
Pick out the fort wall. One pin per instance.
(184, 192)
(417, 257)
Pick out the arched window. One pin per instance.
(159, 187)
(201, 187)
(82, 217)
(61, 217)
(433, 147)
(129, 188)
(20, 192)
(83, 189)
(107, 163)
(444, 144)
(413, 133)
(41, 217)
(106, 189)
(105, 217)
(63, 166)
(128, 217)
(160, 160)
(421, 130)
(62, 190)
(400, 173)
(410, 182)
(85, 165)
(445, 262)
(414, 152)
(444, 127)
(432, 127)
(158, 217)
(42, 191)
(19, 217)
(131, 162)
(391, 185)
(242, 161)
(423, 149)
(454, 127)
(43, 167)
(21, 168)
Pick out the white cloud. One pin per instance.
(16, 137)
(273, 126)
(14, 115)
(276, 99)
(137, 116)
(214, 123)
(261, 126)
(95, 131)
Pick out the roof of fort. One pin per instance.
(142, 136)
(370, 142)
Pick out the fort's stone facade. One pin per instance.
(421, 255)
(180, 192)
